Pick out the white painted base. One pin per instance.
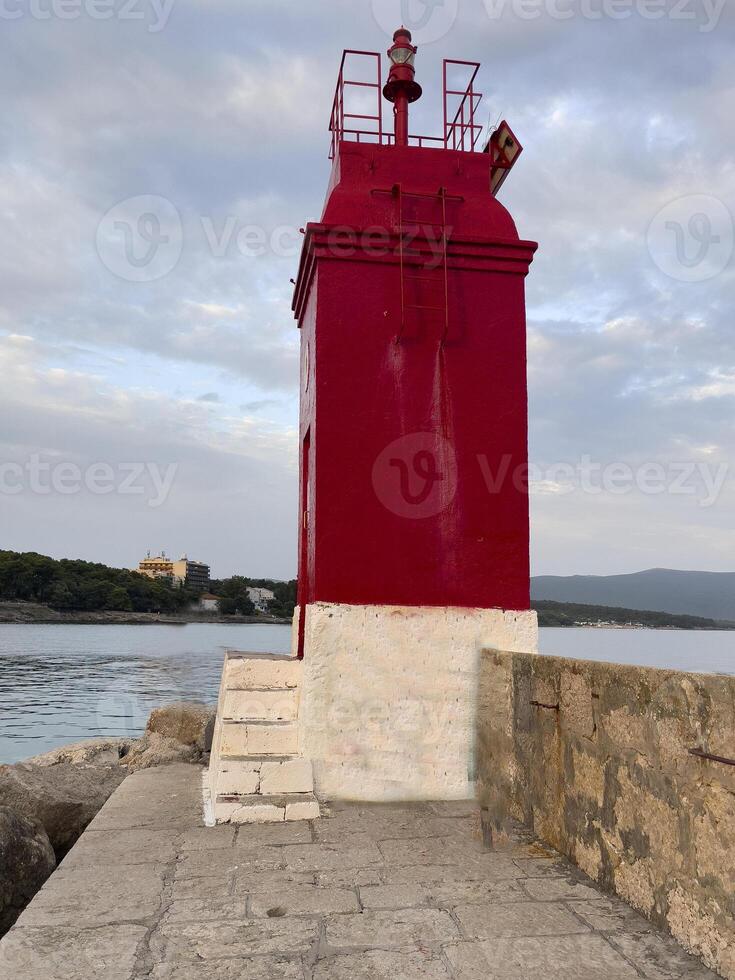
(389, 696)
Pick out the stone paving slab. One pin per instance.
(384, 892)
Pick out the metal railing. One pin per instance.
(337, 120)
(461, 131)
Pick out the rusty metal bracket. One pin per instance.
(701, 754)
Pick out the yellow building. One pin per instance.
(193, 574)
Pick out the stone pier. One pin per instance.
(395, 891)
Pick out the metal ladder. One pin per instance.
(443, 308)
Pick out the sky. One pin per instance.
(157, 158)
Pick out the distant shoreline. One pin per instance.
(719, 628)
(35, 614)
(570, 615)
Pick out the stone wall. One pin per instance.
(596, 759)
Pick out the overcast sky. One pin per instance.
(153, 404)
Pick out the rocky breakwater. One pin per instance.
(48, 800)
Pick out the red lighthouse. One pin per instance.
(414, 504)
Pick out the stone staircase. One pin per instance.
(256, 773)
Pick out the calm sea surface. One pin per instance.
(59, 684)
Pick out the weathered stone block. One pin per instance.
(626, 729)
(610, 915)
(207, 941)
(396, 929)
(405, 896)
(577, 957)
(589, 776)
(291, 776)
(658, 959)
(262, 673)
(450, 894)
(72, 953)
(559, 890)
(258, 813)
(234, 740)
(261, 705)
(241, 778)
(88, 898)
(281, 833)
(251, 967)
(302, 810)
(382, 965)
(272, 739)
(575, 697)
(303, 900)
(714, 835)
(313, 857)
(242, 739)
(517, 919)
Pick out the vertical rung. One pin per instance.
(442, 194)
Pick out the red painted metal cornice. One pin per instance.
(337, 243)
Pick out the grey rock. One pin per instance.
(93, 751)
(188, 723)
(62, 798)
(26, 861)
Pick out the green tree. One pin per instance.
(119, 599)
(234, 596)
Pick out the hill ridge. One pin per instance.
(678, 591)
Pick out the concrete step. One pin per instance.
(265, 809)
(262, 672)
(269, 704)
(256, 774)
(247, 738)
(265, 776)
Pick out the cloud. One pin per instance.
(232, 473)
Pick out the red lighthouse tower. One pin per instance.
(414, 505)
